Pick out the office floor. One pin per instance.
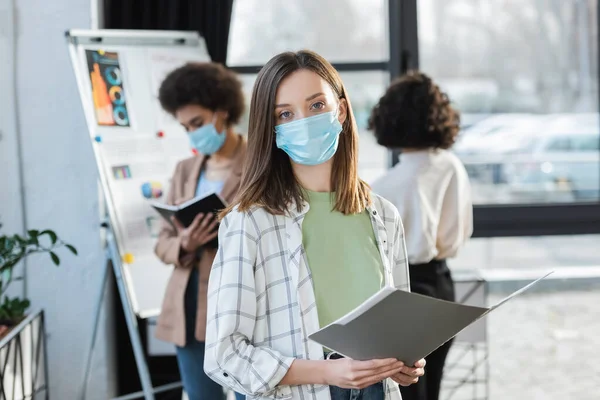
(542, 347)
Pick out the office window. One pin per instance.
(340, 30)
(524, 75)
(364, 90)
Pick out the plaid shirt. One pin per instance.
(261, 303)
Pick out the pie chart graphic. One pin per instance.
(120, 116)
(152, 190)
(113, 75)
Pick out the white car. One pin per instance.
(562, 163)
(484, 146)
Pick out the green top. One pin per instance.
(342, 255)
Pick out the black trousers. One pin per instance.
(434, 280)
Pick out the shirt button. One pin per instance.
(374, 212)
(225, 374)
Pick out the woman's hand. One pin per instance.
(201, 231)
(351, 374)
(409, 375)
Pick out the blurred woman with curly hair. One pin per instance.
(431, 190)
(207, 100)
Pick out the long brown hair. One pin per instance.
(268, 180)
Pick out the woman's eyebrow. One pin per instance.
(195, 120)
(309, 98)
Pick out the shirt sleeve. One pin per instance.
(231, 359)
(456, 217)
(168, 246)
(400, 270)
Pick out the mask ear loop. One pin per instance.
(337, 114)
(337, 111)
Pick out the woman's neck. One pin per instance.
(412, 149)
(316, 178)
(230, 147)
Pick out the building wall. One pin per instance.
(59, 179)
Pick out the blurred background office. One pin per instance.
(523, 74)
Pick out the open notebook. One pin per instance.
(186, 212)
(402, 325)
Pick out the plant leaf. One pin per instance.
(55, 258)
(6, 275)
(51, 234)
(9, 244)
(71, 248)
(9, 264)
(20, 240)
(33, 237)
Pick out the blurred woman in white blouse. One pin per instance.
(431, 190)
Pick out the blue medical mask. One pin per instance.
(206, 140)
(310, 141)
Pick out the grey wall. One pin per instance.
(60, 186)
(11, 215)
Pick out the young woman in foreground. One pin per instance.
(304, 243)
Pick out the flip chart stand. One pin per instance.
(114, 259)
(130, 45)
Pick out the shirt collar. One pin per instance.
(296, 215)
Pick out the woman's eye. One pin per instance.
(319, 105)
(285, 115)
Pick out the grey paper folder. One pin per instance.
(402, 325)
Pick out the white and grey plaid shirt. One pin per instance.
(261, 303)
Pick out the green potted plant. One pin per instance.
(13, 249)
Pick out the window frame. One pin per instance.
(490, 220)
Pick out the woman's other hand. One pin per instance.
(410, 375)
(351, 374)
(201, 231)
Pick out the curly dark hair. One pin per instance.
(209, 85)
(414, 113)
